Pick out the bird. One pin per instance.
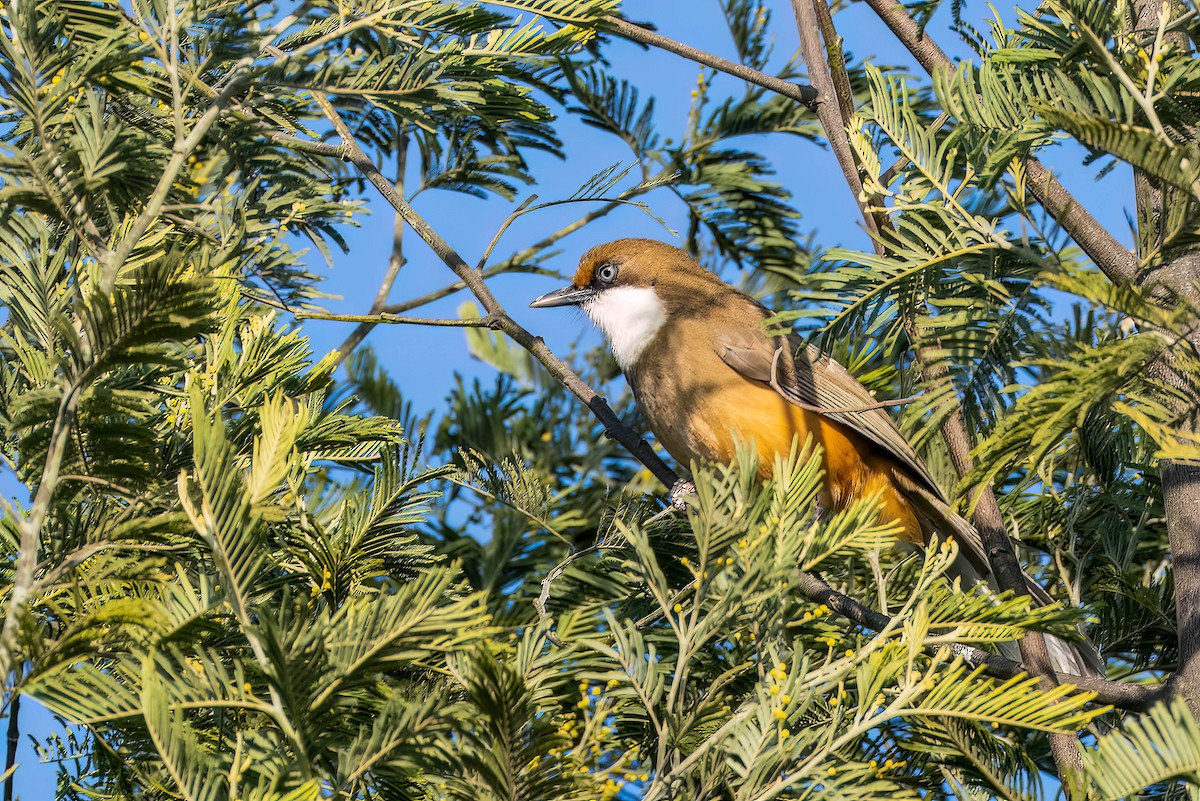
(707, 374)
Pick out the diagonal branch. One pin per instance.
(395, 261)
(473, 280)
(798, 92)
(830, 111)
(1134, 697)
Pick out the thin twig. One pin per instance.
(438, 294)
(509, 220)
(100, 482)
(539, 603)
(657, 614)
(798, 92)
(516, 260)
(396, 319)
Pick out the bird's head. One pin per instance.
(630, 288)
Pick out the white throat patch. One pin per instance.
(629, 316)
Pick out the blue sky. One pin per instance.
(437, 355)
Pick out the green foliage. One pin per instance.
(250, 579)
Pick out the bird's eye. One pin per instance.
(606, 273)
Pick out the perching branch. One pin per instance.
(473, 280)
(1134, 697)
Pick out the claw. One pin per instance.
(679, 493)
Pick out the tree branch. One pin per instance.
(383, 317)
(395, 261)
(798, 92)
(1134, 697)
(11, 742)
(473, 280)
(30, 528)
(829, 109)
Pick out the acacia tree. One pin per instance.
(242, 582)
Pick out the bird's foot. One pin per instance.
(679, 493)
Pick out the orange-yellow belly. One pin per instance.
(745, 411)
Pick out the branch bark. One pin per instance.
(12, 741)
(1181, 486)
(395, 261)
(1134, 697)
(30, 528)
(829, 108)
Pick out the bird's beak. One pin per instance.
(567, 296)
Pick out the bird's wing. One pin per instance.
(805, 376)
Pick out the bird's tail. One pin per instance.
(1079, 658)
